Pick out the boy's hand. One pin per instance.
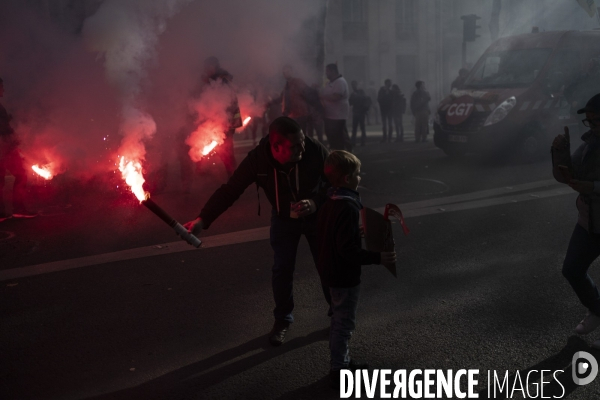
(304, 207)
(388, 257)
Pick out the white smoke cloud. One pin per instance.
(80, 96)
(125, 33)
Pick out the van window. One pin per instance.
(512, 68)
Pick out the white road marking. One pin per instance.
(469, 205)
(506, 195)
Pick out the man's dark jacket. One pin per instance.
(261, 168)
(340, 255)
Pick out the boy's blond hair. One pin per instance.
(338, 164)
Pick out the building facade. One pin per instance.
(410, 40)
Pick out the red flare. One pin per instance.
(208, 148)
(132, 173)
(44, 171)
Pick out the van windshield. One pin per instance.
(506, 69)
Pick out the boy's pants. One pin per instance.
(285, 237)
(583, 250)
(344, 302)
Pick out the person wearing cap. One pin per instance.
(289, 167)
(11, 160)
(581, 171)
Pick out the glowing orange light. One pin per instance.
(132, 173)
(44, 172)
(208, 148)
(246, 120)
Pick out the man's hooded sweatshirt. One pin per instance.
(282, 184)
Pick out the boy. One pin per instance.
(340, 255)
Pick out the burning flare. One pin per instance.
(132, 173)
(44, 171)
(209, 147)
(246, 120)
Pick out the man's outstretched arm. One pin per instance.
(226, 195)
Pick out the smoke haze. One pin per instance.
(126, 80)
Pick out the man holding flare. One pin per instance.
(288, 166)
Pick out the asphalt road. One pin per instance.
(479, 287)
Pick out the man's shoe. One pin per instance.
(277, 334)
(24, 214)
(588, 324)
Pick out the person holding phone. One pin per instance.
(581, 171)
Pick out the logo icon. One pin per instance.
(460, 110)
(585, 368)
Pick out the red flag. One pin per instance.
(394, 211)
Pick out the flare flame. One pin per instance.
(44, 171)
(209, 147)
(132, 174)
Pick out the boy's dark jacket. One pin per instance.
(340, 255)
(261, 168)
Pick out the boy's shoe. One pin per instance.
(588, 324)
(24, 214)
(277, 334)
